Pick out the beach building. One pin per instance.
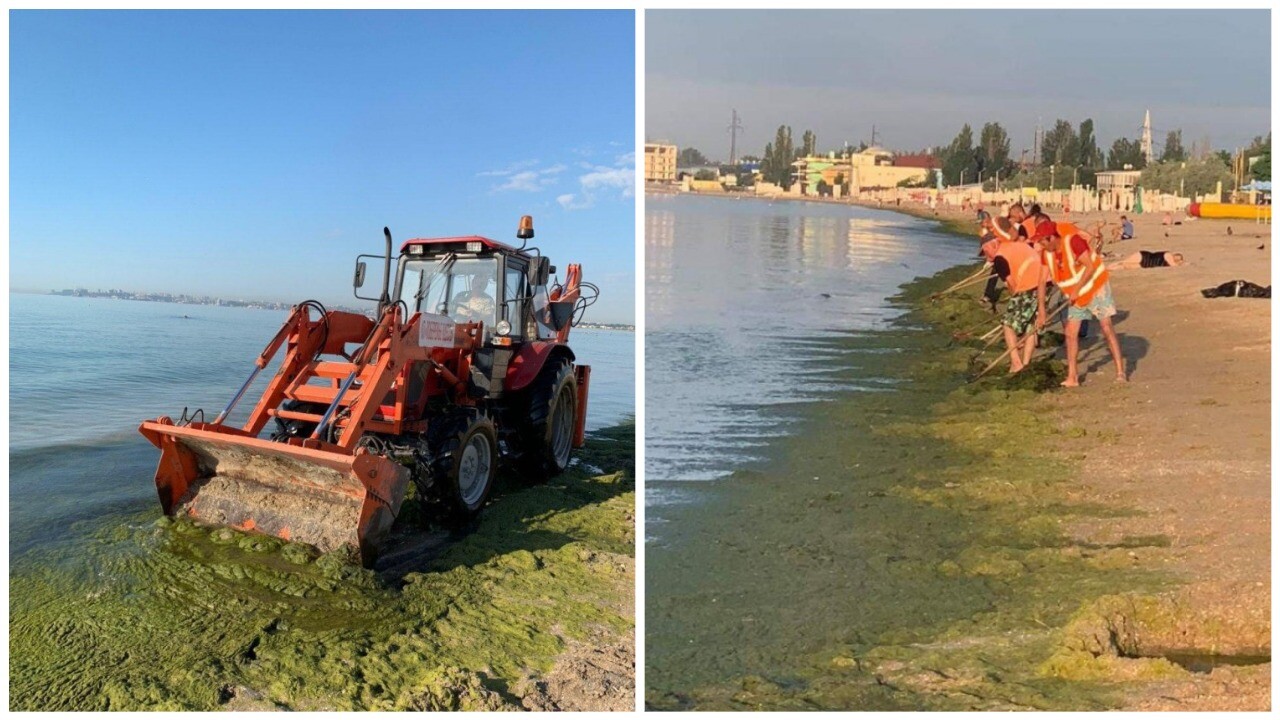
(659, 163)
(868, 169)
(1118, 180)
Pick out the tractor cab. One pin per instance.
(473, 279)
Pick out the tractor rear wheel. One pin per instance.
(546, 434)
(466, 462)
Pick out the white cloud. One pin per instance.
(596, 181)
(569, 201)
(603, 180)
(509, 170)
(525, 180)
(622, 178)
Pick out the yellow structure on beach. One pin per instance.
(659, 163)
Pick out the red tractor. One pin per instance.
(465, 365)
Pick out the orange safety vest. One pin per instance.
(1024, 266)
(1066, 230)
(1029, 224)
(1078, 279)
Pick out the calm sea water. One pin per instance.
(84, 372)
(740, 297)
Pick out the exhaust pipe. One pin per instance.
(385, 300)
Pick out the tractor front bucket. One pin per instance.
(315, 496)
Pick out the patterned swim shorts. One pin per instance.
(1020, 312)
(1103, 305)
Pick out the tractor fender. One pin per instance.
(530, 359)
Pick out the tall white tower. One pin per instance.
(1147, 152)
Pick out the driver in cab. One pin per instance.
(473, 304)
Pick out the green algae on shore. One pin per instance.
(169, 615)
(904, 550)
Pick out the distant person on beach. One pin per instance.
(1078, 271)
(1124, 231)
(1018, 265)
(1144, 259)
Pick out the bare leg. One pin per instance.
(1131, 262)
(1028, 347)
(1113, 344)
(1072, 331)
(1011, 342)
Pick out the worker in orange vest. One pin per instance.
(1078, 271)
(1019, 265)
(996, 232)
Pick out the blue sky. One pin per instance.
(254, 154)
(918, 75)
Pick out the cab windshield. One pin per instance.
(465, 291)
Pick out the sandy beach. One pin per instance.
(1186, 443)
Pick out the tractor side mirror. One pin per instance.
(539, 271)
(358, 282)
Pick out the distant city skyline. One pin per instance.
(255, 154)
(918, 76)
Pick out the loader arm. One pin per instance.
(569, 292)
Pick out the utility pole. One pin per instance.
(873, 135)
(734, 127)
(1035, 150)
(1147, 152)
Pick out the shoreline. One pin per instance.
(1092, 576)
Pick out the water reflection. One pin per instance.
(742, 300)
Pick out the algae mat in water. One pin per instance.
(904, 550)
(160, 615)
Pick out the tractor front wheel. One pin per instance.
(467, 461)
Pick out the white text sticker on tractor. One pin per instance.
(435, 331)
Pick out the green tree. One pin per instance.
(1061, 145)
(778, 156)
(957, 158)
(1261, 169)
(1224, 156)
(1261, 148)
(690, 157)
(1125, 152)
(705, 174)
(1090, 155)
(1190, 176)
(1173, 150)
(809, 144)
(993, 144)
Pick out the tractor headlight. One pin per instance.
(475, 246)
(503, 327)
